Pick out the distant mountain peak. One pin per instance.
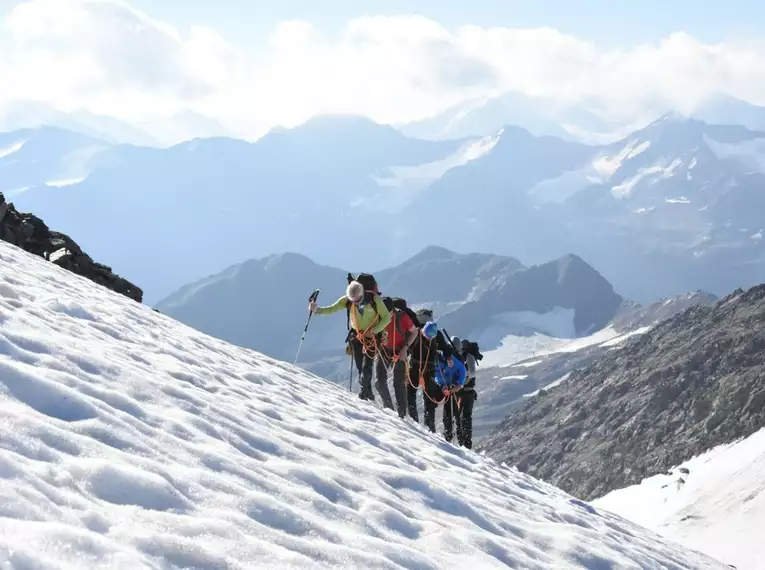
(289, 258)
(334, 125)
(572, 259)
(431, 253)
(670, 117)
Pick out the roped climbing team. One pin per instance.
(387, 336)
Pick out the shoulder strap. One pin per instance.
(397, 315)
(348, 306)
(354, 315)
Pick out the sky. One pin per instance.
(609, 23)
(254, 64)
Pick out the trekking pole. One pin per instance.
(446, 334)
(312, 298)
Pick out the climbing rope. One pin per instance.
(421, 375)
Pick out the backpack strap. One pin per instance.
(348, 307)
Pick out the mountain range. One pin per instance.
(261, 303)
(587, 121)
(611, 398)
(179, 127)
(673, 207)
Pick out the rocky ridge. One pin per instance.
(31, 234)
(694, 381)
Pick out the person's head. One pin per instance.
(355, 292)
(430, 330)
(424, 316)
(456, 342)
(465, 344)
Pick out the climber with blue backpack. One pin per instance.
(370, 317)
(423, 355)
(451, 380)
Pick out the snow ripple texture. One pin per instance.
(130, 441)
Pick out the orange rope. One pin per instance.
(421, 372)
(368, 345)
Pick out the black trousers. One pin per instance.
(384, 363)
(431, 396)
(365, 365)
(465, 422)
(459, 410)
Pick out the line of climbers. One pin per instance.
(386, 335)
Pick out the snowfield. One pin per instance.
(517, 348)
(714, 503)
(130, 441)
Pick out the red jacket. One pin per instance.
(397, 329)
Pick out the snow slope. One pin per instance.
(130, 441)
(717, 506)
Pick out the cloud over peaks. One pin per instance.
(110, 58)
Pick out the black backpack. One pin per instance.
(422, 316)
(472, 348)
(369, 283)
(400, 304)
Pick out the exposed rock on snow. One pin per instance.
(31, 234)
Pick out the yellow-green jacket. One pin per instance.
(361, 320)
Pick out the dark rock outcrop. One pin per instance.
(31, 234)
(695, 381)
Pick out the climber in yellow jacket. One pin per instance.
(370, 317)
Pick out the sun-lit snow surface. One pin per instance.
(516, 348)
(550, 386)
(557, 322)
(129, 441)
(408, 180)
(599, 171)
(718, 509)
(65, 182)
(8, 150)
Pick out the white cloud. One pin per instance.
(112, 59)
